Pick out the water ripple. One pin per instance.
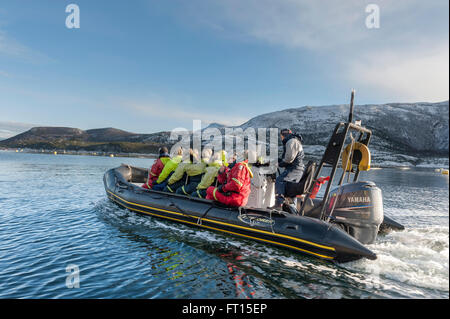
(54, 213)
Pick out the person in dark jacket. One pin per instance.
(291, 161)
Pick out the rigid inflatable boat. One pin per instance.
(335, 227)
(300, 233)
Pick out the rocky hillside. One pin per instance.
(99, 140)
(405, 133)
(410, 128)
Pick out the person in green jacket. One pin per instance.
(187, 168)
(210, 175)
(178, 178)
(168, 170)
(223, 154)
(194, 172)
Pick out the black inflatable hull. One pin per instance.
(298, 233)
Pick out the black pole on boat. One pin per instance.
(336, 143)
(350, 116)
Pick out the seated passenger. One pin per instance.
(194, 172)
(209, 177)
(178, 177)
(235, 188)
(157, 167)
(231, 161)
(167, 171)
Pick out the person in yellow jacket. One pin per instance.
(223, 154)
(194, 172)
(167, 171)
(210, 175)
(178, 177)
(188, 168)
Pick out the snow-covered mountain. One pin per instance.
(410, 128)
(410, 133)
(403, 133)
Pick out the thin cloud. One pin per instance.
(157, 110)
(314, 25)
(12, 48)
(9, 129)
(406, 58)
(317, 25)
(407, 76)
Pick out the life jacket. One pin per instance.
(194, 169)
(236, 190)
(169, 167)
(156, 170)
(238, 181)
(210, 175)
(179, 172)
(224, 158)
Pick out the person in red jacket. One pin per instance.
(235, 185)
(157, 167)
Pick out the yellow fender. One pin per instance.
(364, 164)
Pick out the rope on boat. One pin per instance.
(271, 224)
(199, 220)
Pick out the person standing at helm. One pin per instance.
(157, 167)
(291, 161)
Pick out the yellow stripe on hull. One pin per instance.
(225, 224)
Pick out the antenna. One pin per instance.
(350, 116)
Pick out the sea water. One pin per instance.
(60, 237)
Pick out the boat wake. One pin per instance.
(410, 264)
(414, 258)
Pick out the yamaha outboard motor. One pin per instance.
(358, 208)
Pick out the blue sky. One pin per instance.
(147, 66)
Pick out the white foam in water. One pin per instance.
(410, 263)
(416, 257)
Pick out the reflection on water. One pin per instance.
(54, 212)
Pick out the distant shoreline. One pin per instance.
(387, 164)
(85, 153)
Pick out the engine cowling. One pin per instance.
(357, 207)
